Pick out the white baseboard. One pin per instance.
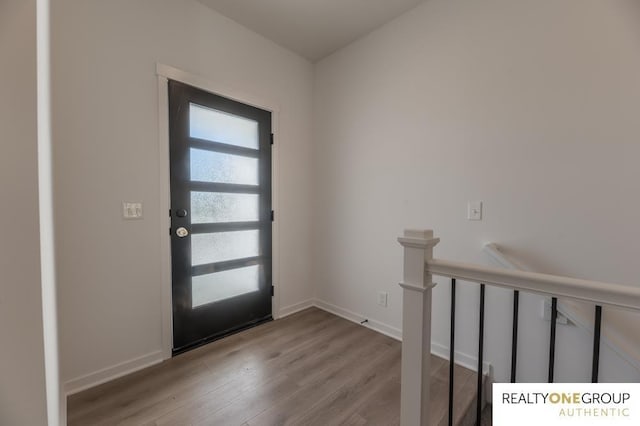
(111, 373)
(467, 361)
(297, 307)
(131, 366)
(462, 359)
(387, 330)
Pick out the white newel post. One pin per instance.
(416, 327)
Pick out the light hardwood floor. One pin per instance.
(311, 368)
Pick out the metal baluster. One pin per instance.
(596, 344)
(480, 356)
(452, 348)
(514, 336)
(552, 342)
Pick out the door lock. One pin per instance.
(182, 232)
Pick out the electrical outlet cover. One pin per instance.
(383, 298)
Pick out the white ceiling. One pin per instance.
(312, 28)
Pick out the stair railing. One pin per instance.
(417, 284)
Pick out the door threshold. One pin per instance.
(226, 333)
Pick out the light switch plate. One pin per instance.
(131, 210)
(474, 210)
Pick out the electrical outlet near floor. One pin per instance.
(383, 298)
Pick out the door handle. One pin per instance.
(182, 232)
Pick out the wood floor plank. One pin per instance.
(340, 404)
(311, 368)
(127, 396)
(228, 409)
(263, 369)
(323, 380)
(382, 408)
(163, 386)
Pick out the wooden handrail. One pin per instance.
(622, 296)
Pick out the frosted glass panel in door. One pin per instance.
(222, 246)
(218, 126)
(208, 166)
(216, 207)
(224, 285)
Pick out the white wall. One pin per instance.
(530, 106)
(107, 151)
(22, 370)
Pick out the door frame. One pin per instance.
(166, 73)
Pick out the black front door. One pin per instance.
(220, 154)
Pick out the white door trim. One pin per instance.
(165, 73)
